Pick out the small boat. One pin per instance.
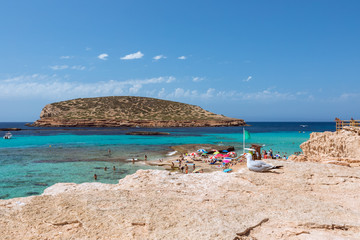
(8, 135)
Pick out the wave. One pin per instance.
(171, 153)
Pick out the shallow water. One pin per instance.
(36, 158)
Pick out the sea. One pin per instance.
(36, 158)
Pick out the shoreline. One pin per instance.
(157, 204)
(195, 163)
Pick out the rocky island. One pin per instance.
(127, 111)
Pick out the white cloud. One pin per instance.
(53, 87)
(170, 79)
(182, 57)
(151, 80)
(212, 94)
(87, 49)
(161, 93)
(66, 57)
(59, 67)
(347, 96)
(247, 79)
(197, 79)
(209, 93)
(301, 93)
(136, 55)
(63, 67)
(135, 88)
(158, 57)
(267, 95)
(103, 56)
(78, 67)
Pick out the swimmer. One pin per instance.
(95, 176)
(145, 158)
(105, 168)
(133, 161)
(114, 168)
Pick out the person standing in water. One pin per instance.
(95, 176)
(145, 158)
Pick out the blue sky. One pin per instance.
(264, 60)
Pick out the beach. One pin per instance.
(197, 161)
(307, 199)
(302, 201)
(36, 158)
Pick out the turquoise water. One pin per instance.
(35, 159)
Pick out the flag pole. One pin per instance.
(243, 140)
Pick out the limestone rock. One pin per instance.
(303, 201)
(341, 146)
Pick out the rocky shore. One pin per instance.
(341, 147)
(58, 122)
(302, 201)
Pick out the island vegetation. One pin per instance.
(129, 111)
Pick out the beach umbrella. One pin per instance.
(224, 151)
(226, 160)
(193, 154)
(202, 150)
(217, 152)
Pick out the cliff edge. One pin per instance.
(127, 111)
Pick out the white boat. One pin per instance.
(8, 135)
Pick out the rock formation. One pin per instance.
(304, 201)
(129, 112)
(341, 147)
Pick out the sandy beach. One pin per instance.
(199, 163)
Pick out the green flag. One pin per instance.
(247, 134)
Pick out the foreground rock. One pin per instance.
(126, 111)
(342, 147)
(304, 201)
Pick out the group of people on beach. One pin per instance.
(183, 168)
(270, 155)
